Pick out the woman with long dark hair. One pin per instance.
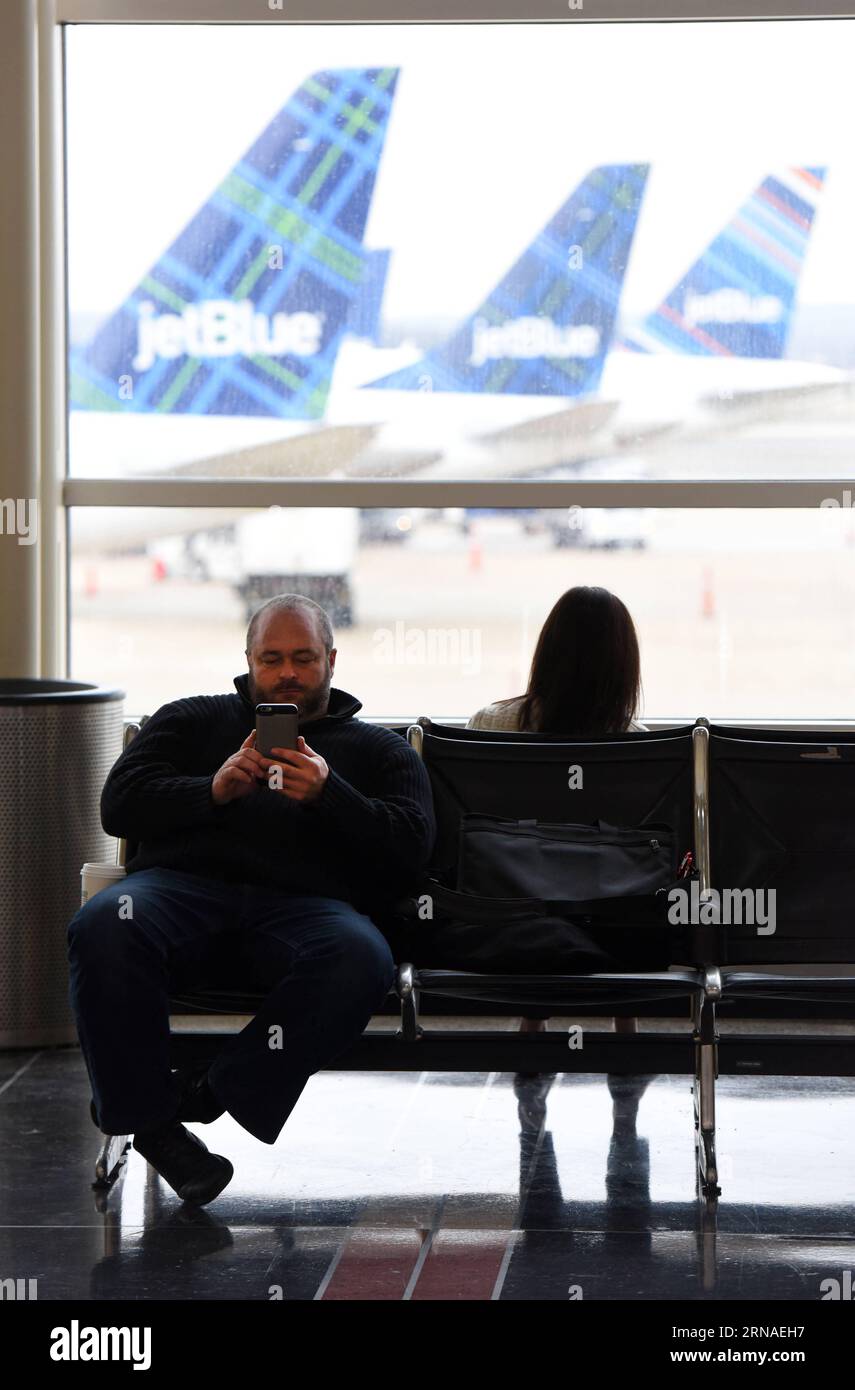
(585, 674)
(585, 678)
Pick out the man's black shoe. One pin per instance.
(185, 1163)
(198, 1103)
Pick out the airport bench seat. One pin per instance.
(790, 988)
(556, 992)
(629, 779)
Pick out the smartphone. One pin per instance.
(275, 727)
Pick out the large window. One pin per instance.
(423, 254)
(739, 613)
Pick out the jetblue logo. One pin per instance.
(732, 306)
(223, 328)
(531, 337)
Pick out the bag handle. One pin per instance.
(601, 827)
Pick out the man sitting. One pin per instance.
(292, 866)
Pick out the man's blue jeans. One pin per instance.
(324, 967)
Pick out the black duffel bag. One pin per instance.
(534, 897)
(553, 860)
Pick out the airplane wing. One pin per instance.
(765, 403)
(97, 531)
(318, 453)
(531, 447)
(720, 415)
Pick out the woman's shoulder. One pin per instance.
(504, 714)
(501, 714)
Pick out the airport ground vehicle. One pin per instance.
(310, 550)
(306, 550)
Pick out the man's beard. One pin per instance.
(310, 703)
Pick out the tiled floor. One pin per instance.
(438, 1186)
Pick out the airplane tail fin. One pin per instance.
(738, 297)
(364, 317)
(245, 312)
(546, 327)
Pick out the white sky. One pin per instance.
(492, 128)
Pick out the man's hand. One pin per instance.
(240, 774)
(303, 771)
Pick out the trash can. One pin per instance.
(58, 741)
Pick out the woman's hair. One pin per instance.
(585, 674)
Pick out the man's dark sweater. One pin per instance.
(364, 839)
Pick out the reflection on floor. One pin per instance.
(443, 1186)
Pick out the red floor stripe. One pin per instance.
(462, 1265)
(375, 1265)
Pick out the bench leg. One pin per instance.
(408, 993)
(706, 1071)
(111, 1160)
